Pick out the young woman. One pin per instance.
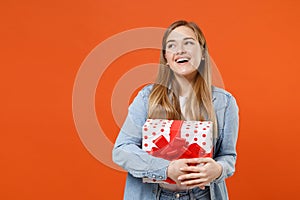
(184, 91)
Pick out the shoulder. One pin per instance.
(221, 97)
(142, 96)
(219, 92)
(146, 90)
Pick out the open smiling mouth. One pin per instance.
(182, 60)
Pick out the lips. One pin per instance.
(182, 60)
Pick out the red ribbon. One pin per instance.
(177, 148)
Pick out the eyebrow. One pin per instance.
(187, 38)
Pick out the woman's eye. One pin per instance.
(189, 43)
(171, 46)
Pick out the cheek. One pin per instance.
(197, 61)
(197, 56)
(168, 56)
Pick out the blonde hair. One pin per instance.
(164, 97)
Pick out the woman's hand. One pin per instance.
(205, 171)
(174, 167)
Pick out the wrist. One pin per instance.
(170, 169)
(220, 170)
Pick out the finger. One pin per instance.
(203, 184)
(185, 160)
(190, 169)
(202, 187)
(194, 182)
(191, 176)
(204, 160)
(198, 160)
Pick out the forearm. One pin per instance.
(139, 163)
(228, 166)
(226, 146)
(128, 154)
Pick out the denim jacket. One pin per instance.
(128, 151)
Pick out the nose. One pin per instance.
(180, 49)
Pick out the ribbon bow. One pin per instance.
(177, 148)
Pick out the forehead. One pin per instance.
(181, 32)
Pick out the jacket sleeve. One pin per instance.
(226, 151)
(127, 151)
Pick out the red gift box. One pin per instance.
(176, 139)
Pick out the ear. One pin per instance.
(203, 54)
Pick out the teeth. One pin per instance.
(180, 60)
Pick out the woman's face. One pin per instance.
(183, 51)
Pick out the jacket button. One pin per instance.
(160, 177)
(177, 195)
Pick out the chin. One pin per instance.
(185, 73)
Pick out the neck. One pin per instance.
(185, 84)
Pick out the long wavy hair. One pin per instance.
(164, 97)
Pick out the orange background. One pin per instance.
(43, 43)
